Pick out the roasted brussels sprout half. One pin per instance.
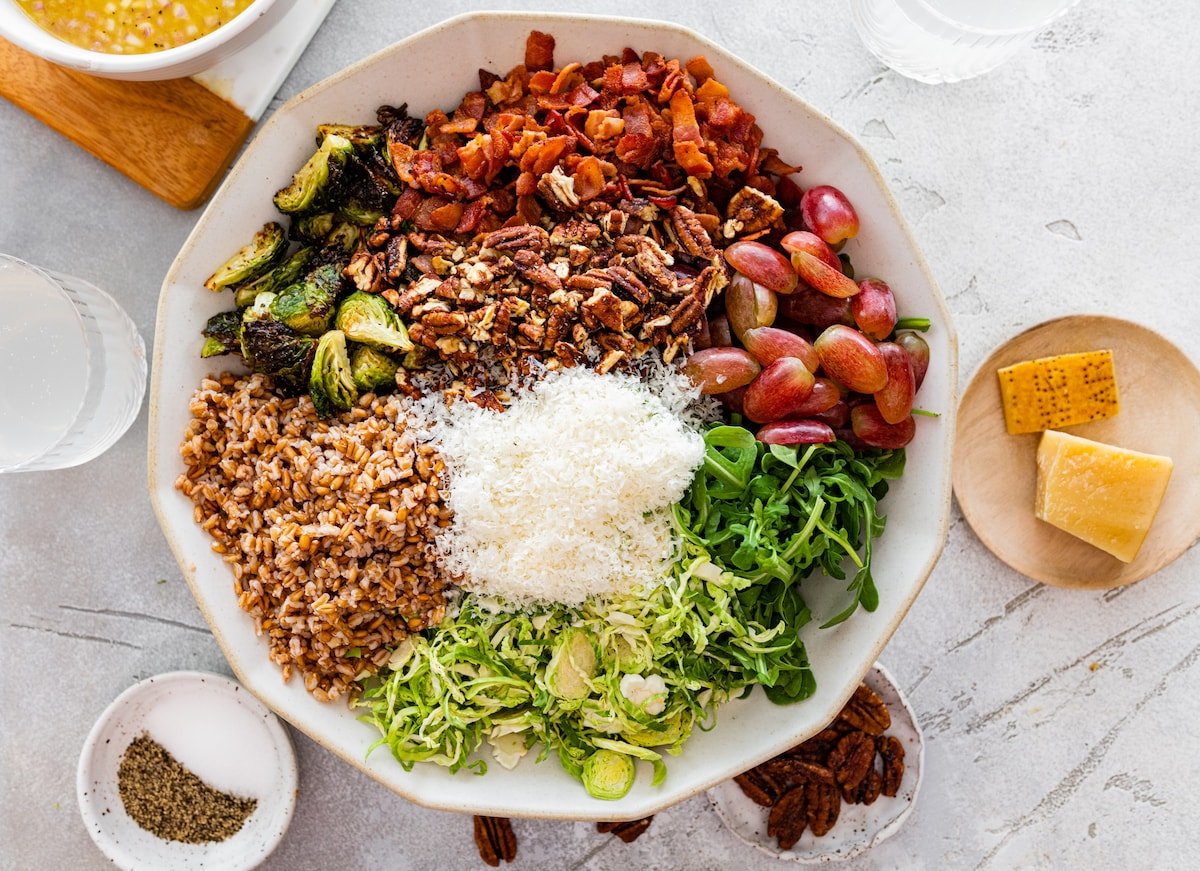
(264, 251)
(268, 346)
(314, 177)
(287, 272)
(608, 774)
(368, 319)
(307, 307)
(357, 212)
(222, 334)
(313, 227)
(331, 385)
(344, 238)
(373, 371)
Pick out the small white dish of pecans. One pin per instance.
(839, 793)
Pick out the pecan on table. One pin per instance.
(628, 831)
(495, 839)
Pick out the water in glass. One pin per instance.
(72, 369)
(950, 40)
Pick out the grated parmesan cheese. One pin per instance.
(566, 494)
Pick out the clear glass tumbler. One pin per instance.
(72, 369)
(950, 40)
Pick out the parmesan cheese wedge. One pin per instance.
(1104, 495)
(1058, 391)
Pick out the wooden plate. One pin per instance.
(995, 473)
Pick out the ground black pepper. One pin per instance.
(167, 800)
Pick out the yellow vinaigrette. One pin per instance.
(131, 26)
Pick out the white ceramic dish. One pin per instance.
(859, 827)
(217, 730)
(415, 71)
(200, 54)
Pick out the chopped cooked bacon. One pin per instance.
(641, 118)
(685, 135)
(539, 51)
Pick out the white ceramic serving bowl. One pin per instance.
(200, 54)
(414, 71)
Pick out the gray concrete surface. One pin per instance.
(1060, 725)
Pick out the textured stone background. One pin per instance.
(1063, 182)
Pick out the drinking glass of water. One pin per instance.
(72, 369)
(950, 40)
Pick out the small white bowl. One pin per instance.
(219, 732)
(859, 826)
(172, 63)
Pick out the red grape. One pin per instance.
(918, 350)
(796, 432)
(768, 344)
(748, 305)
(802, 240)
(874, 309)
(851, 358)
(779, 388)
(829, 214)
(763, 265)
(717, 370)
(873, 430)
(808, 306)
(895, 399)
(821, 276)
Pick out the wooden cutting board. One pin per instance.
(175, 138)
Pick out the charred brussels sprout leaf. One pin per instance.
(315, 176)
(222, 334)
(286, 273)
(373, 371)
(366, 136)
(271, 348)
(331, 385)
(368, 319)
(307, 307)
(263, 252)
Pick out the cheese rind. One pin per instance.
(1101, 494)
(1058, 391)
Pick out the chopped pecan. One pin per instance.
(789, 817)
(575, 231)
(822, 805)
(558, 190)
(852, 758)
(749, 211)
(566, 354)
(628, 831)
(365, 270)
(892, 753)
(495, 839)
(686, 315)
(534, 269)
(611, 359)
(627, 281)
(711, 281)
(397, 257)
(652, 263)
(535, 333)
(692, 236)
(445, 323)
(604, 307)
(556, 324)
(866, 711)
(522, 236)
(590, 280)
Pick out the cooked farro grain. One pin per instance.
(327, 525)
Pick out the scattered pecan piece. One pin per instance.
(822, 805)
(445, 323)
(852, 758)
(866, 711)
(789, 817)
(628, 282)
(495, 839)
(867, 791)
(534, 269)
(892, 753)
(365, 270)
(686, 315)
(628, 831)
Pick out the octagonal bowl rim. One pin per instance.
(626, 808)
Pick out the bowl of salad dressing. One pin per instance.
(137, 39)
